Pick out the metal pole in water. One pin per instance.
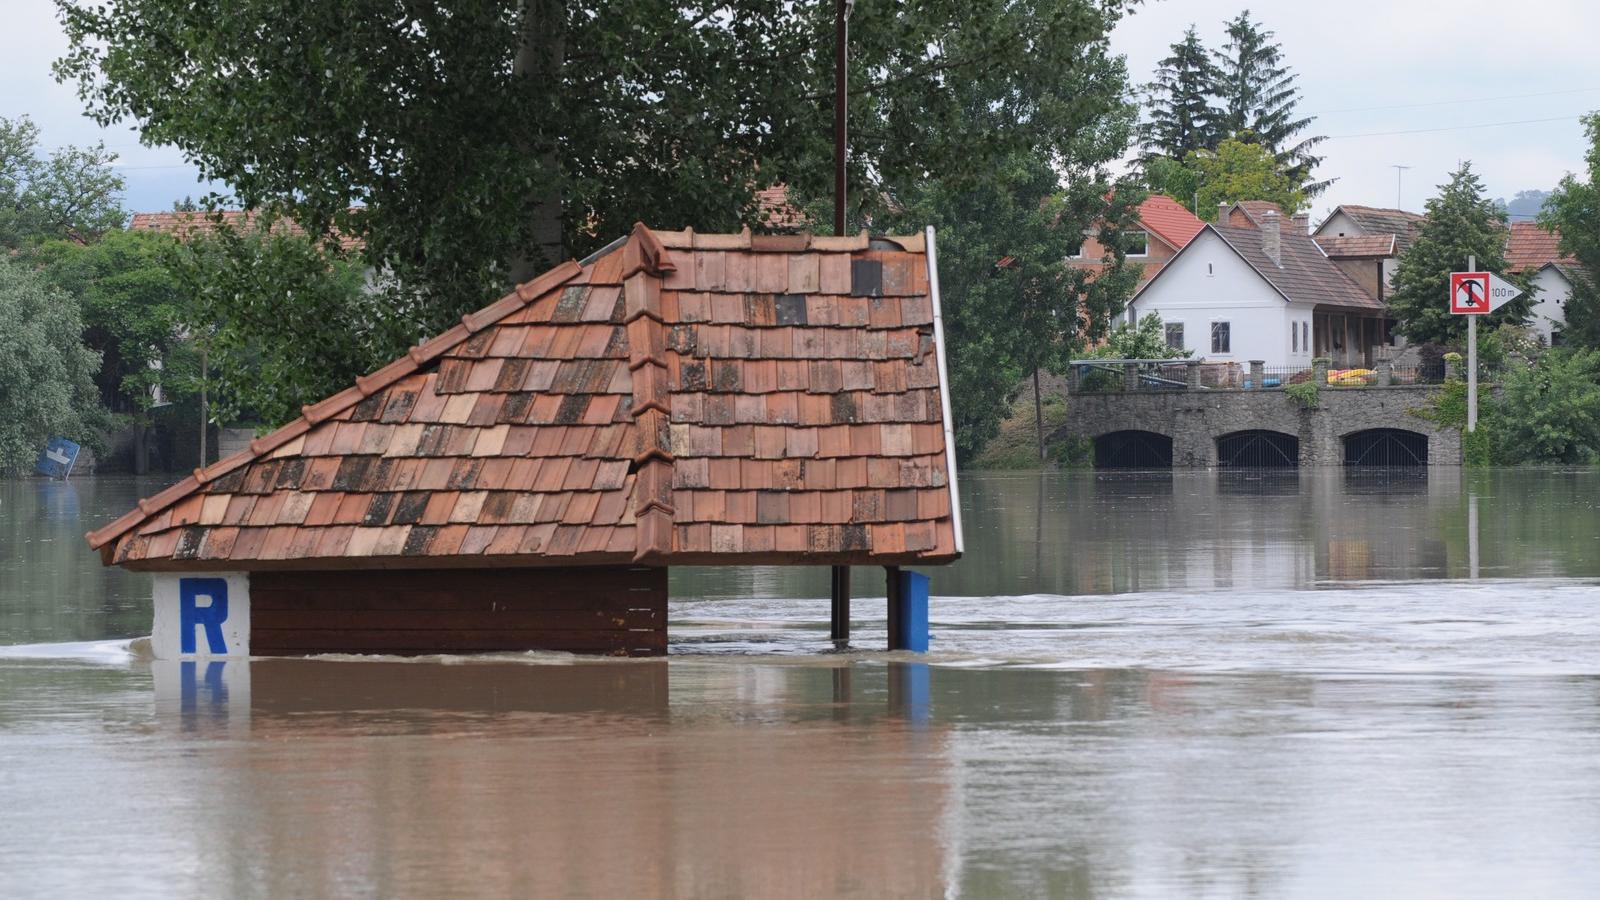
(1472, 535)
(1472, 359)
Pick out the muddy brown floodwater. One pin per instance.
(1187, 685)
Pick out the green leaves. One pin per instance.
(70, 193)
(45, 371)
(284, 320)
(1573, 211)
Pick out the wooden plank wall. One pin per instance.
(618, 611)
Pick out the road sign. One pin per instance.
(57, 458)
(1480, 293)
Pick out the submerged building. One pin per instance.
(524, 479)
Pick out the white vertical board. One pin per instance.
(201, 615)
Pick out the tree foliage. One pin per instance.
(45, 369)
(1235, 171)
(133, 312)
(1573, 212)
(1548, 412)
(70, 193)
(1145, 339)
(1260, 101)
(1461, 223)
(484, 139)
(1182, 116)
(284, 320)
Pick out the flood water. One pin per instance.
(1186, 685)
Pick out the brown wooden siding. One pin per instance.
(619, 611)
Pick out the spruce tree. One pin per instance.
(1182, 116)
(1259, 100)
(1461, 223)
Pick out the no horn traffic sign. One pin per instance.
(1480, 293)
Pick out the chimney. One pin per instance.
(1271, 238)
(1222, 213)
(1302, 223)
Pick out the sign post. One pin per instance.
(1474, 294)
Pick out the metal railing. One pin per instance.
(1126, 375)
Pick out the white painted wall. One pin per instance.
(1338, 224)
(1209, 283)
(1551, 291)
(210, 609)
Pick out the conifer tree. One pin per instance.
(1259, 100)
(1461, 223)
(1182, 116)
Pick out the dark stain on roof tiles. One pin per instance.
(866, 278)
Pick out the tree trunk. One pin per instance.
(537, 70)
(1038, 415)
(141, 450)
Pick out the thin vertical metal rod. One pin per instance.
(1472, 357)
(840, 619)
(841, 76)
(896, 608)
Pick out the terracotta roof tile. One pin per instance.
(1529, 247)
(683, 397)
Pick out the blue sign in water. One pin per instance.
(57, 458)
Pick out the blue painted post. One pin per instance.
(913, 619)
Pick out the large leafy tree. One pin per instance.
(283, 319)
(1573, 212)
(133, 312)
(72, 192)
(483, 139)
(1260, 101)
(45, 368)
(1234, 171)
(1182, 117)
(1461, 223)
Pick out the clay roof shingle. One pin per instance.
(1380, 220)
(678, 399)
(1361, 246)
(184, 224)
(1303, 273)
(1169, 220)
(1529, 247)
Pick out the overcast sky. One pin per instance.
(1365, 66)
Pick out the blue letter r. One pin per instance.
(208, 617)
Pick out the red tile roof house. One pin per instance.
(525, 479)
(1251, 289)
(1167, 227)
(1535, 252)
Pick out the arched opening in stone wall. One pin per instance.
(1258, 449)
(1388, 447)
(1133, 450)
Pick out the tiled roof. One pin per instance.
(184, 224)
(1255, 209)
(1361, 246)
(1529, 247)
(678, 399)
(1379, 220)
(777, 210)
(1169, 220)
(1305, 275)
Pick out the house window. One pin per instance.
(1137, 242)
(1294, 337)
(1305, 336)
(1220, 342)
(1174, 335)
(1211, 269)
(1557, 339)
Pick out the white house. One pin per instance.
(1535, 252)
(1255, 290)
